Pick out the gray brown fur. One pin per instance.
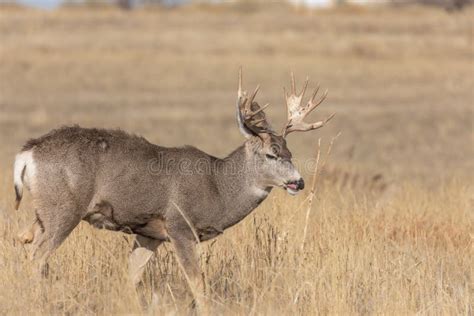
(118, 187)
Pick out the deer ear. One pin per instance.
(244, 130)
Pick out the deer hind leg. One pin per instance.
(55, 223)
(143, 250)
(28, 234)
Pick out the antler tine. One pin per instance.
(248, 101)
(304, 87)
(329, 118)
(298, 112)
(259, 121)
(252, 97)
(293, 101)
(313, 105)
(315, 125)
(251, 114)
(315, 93)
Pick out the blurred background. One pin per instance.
(399, 74)
(129, 4)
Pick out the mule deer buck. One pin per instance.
(121, 182)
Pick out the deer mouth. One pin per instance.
(292, 187)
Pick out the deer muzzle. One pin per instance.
(293, 187)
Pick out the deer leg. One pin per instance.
(186, 254)
(28, 234)
(55, 224)
(143, 250)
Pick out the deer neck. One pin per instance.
(239, 186)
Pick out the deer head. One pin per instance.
(267, 148)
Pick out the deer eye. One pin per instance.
(271, 157)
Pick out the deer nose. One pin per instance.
(300, 184)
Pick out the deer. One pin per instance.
(121, 182)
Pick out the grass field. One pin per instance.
(400, 81)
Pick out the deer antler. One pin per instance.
(297, 112)
(251, 113)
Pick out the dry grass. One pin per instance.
(413, 255)
(400, 82)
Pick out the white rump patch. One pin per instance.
(24, 171)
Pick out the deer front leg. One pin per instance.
(143, 250)
(187, 256)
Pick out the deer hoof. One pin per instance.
(26, 237)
